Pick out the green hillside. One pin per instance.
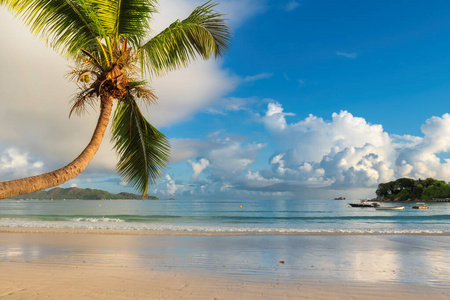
(80, 194)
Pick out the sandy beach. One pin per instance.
(95, 265)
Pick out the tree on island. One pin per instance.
(106, 39)
(407, 188)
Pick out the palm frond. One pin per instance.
(140, 91)
(143, 150)
(132, 19)
(203, 33)
(65, 25)
(93, 60)
(87, 96)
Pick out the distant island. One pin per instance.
(407, 189)
(80, 194)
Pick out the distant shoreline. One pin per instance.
(75, 193)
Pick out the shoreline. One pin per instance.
(149, 232)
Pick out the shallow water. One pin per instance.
(410, 259)
(259, 216)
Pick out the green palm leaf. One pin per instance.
(203, 33)
(65, 25)
(143, 150)
(125, 18)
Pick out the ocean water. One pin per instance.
(227, 216)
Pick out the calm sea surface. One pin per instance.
(250, 216)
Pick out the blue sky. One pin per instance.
(314, 99)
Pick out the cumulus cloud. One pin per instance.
(198, 167)
(171, 187)
(226, 157)
(420, 159)
(222, 161)
(232, 159)
(344, 152)
(313, 138)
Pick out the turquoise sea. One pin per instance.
(227, 216)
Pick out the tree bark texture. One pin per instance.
(27, 185)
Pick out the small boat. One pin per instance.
(364, 203)
(420, 205)
(390, 208)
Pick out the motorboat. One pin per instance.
(364, 203)
(390, 208)
(420, 205)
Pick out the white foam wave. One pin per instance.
(118, 224)
(95, 220)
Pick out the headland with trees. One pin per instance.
(407, 189)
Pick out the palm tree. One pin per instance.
(107, 40)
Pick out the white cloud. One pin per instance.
(222, 160)
(341, 153)
(230, 158)
(257, 77)
(198, 167)
(236, 11)
(421, 158)
(313, 138)
(231, 104)
(171, 187)
(16, 164)
(184, 149)
(198, 86)
(351, 55)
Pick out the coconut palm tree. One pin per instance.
(108, 42)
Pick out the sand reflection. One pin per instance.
(375, 259)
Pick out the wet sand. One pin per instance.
(125, 266)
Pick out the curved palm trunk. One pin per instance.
(36, 183)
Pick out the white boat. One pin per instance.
(364, 203)
(389, 207)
